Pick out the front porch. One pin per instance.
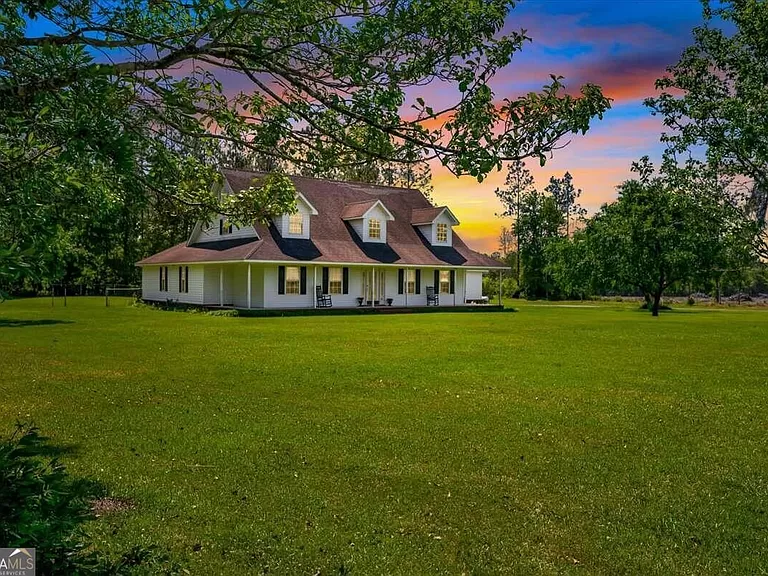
(258, 286)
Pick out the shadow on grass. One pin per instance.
(16, 323)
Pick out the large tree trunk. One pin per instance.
(656, 303)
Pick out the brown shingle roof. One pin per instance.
(331, 238)
(425, 215)
(357, 209)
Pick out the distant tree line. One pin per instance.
(698, 223)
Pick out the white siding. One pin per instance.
(211, 285)
(150, 285)
(209, 232)
(274, 300)
(474, 284)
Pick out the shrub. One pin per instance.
(43, 507)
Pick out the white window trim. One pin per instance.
(289, 281)
(296, 219)
(378, 228)
(438, 227)
(410, 280)
(335, 286)
(445, 280)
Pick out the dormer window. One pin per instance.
(435, 224)
(374, 228)
(369, 219)
(296, 223)
(224, 228)
(442, 232)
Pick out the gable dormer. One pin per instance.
(296, 225)
(369, 219)
(435, 224)
(220, 228)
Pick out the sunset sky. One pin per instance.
(622, 46)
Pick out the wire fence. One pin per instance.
(132, 292)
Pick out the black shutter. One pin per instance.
(161, 278)
(180, 280)
(186, 278)
(166, 279)
(400, 280)
(221, 226)
(345, 280)
(303, 280)
(437, 281)
(325, 279)
(281, 279)
(453, 281)
(418, 281)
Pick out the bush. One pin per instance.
(42, 507)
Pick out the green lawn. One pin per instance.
(549, 440)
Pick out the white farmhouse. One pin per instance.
(348, 245)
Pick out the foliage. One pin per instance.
(653, 236)
(43, 507)
(566, 197)
(120, 111)
(714, 98)
(539, 222)
(321, 75)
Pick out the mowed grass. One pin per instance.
(546, 441)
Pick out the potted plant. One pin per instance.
(359, 300)
(389, 301)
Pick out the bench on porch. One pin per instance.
(323, 300)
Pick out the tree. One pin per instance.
(518, 182)
(538, 224)
(656, 235)
(714, 98)
(566, 197)
(506, 241)
(138, 96)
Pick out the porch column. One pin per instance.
(405, 285)
(373, 287)
(249, 285)
(314, 287)
(221, 285)
(499, 287)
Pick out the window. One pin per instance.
(183, 279)
(163, 278)
(296, 223)
(374, 228)
(445, 281)
(335, 280)
(442, 232)
(292, 280)
(224, 229)
(410, 280)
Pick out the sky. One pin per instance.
(621, 45)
